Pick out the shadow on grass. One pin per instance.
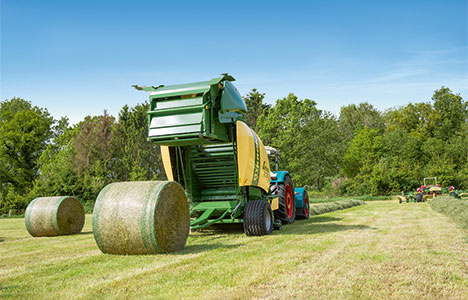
(6, 291)
(190, 249)
(217, 229)
(314, 225)
(2, 239)
(311, 227)
(86, 232)
(322, 219)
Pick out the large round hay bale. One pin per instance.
(52, 216)
(144, 217)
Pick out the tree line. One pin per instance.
(361, 151)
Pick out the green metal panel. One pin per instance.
(194, 113)
(212, 212)
(215, 170)
(232, 105)
(197, 121)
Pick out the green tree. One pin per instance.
(363, 152)
(25, 131)
(58, 173)
(354, 117)
(418, 119)
(136, 157)
(308, 139)
(255, 107)
(453, 112)
(98, 151)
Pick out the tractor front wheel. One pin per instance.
(258, 218)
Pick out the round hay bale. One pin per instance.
(53, 216)
(144, 217)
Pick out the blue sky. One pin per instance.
(77, 58)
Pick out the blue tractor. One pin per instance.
(293, 203)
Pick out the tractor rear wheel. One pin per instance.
(258, 218)
(303, 212)
(419, 198)
(286, 211)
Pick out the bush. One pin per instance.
(457, 209)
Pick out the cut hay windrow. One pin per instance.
(53, 216)
(457, 209)
(145, 217)
(321, 208)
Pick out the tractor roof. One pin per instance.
(272, 151)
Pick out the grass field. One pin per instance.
(381, 250)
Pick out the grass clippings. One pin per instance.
(457, 209)
(321, 208)
(382, 250)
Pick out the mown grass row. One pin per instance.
(457, 209)
(333, 199)
(321, 208)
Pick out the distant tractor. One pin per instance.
(218, 171)
(429, 190)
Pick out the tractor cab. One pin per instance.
(274, 156)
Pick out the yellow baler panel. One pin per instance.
(252, 159)
(166, 158)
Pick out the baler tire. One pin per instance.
(258, 219)
(281, 213)
(419, 198)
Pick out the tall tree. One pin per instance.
(138, 158)
(25, 131)
(355, 117)
(308, 139)
(453, 112)
(255, 107)
(415, 118)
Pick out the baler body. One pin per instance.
(219, 161)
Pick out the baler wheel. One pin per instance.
(286, 211)
(258, 218)
(303, 213)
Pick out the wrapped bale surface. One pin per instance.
(145, 217)
(52, 216)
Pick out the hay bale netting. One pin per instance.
(145, 217)
(52, 216)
